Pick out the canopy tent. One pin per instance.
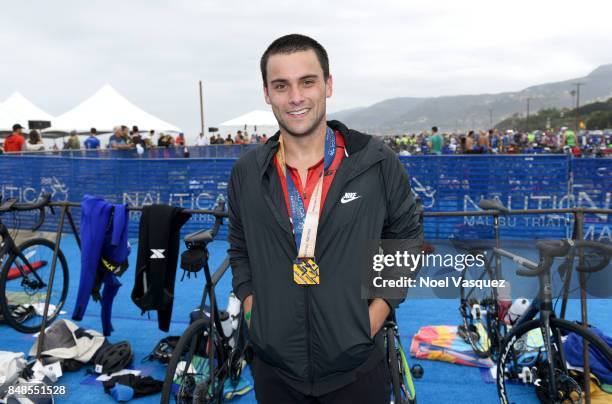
(257, 121)
(104, 110)
(18, 109)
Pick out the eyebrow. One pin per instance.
(308, 76)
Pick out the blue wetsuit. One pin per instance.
(104, 246)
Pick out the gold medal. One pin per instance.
(305, 271)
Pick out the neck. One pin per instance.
(303, 152)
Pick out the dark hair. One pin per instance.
(292, 43)
(434, 129)
(93, 130)
(34, 137)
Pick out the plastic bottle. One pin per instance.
(518, 308)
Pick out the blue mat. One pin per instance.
(441, 382)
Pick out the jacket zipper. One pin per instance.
(308, 336)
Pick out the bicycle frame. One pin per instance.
(10, 247)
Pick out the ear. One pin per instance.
(329, 87)
(266, 95)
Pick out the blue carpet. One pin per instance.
(442, 382)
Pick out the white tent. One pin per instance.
(104, 110)
(257, 121)
(18, 109)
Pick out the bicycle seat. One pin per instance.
(7, 205)
(553, 248)
(492, 204)
(199, 237)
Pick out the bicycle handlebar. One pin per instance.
(218, 219)
(560, 248)
(39, 205)
(603, 251)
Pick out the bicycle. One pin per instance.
(402, 384)
(544, 365)
(23, 286)
(202, 379)
(483, 328)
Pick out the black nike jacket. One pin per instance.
(317, 338)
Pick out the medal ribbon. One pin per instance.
(305, 223)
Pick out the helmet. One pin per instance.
(113, 357)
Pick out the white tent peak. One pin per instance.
(18, 109)
(104, 110)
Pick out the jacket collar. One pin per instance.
(354, 142)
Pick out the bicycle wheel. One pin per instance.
(24, 285)
(193, 381)
(401, 378)
(523, 362)
(479, 311)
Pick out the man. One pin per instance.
(314, 338)
(180, 140)
(15, 141)
(119, 140)
(201, 140)
(73, 141)
(435, 141)
(92, 142)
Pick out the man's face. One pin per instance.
(296, 90)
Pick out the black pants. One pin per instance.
(373, 387)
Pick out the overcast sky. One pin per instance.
(57, 53)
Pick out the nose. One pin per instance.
(295, 96)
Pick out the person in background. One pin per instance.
(180, 139)
(264, 138)
(34, 142)
(238, 139)
(73, 141)
(15, 141)
(228, 139)
(149, 140)
(201, 140)
(119, 139)
(92, 142)
(136, 138)
(435, 141)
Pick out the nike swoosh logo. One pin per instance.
(349, 199)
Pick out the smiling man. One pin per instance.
(299, 205)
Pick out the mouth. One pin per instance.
(297, 114)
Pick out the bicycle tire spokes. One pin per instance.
(529, 363)
(23, 285)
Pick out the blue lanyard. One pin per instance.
(298, 211)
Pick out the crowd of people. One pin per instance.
(565, 140)
(122, 139)
(503, 142)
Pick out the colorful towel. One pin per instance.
(442, 343)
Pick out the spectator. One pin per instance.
(165, 140)
(483, 142)
(238, 139)
(434, 143)
(73, 141)
(15, 141)
(119, 139)
(136, 138)
(264, 138)
(228, 139)
(92, 142)
(149, 140)
(34, 142)
(201, 140)
(180, 140)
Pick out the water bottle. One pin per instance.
(233, 309)
(518, 308)
(186, 152)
